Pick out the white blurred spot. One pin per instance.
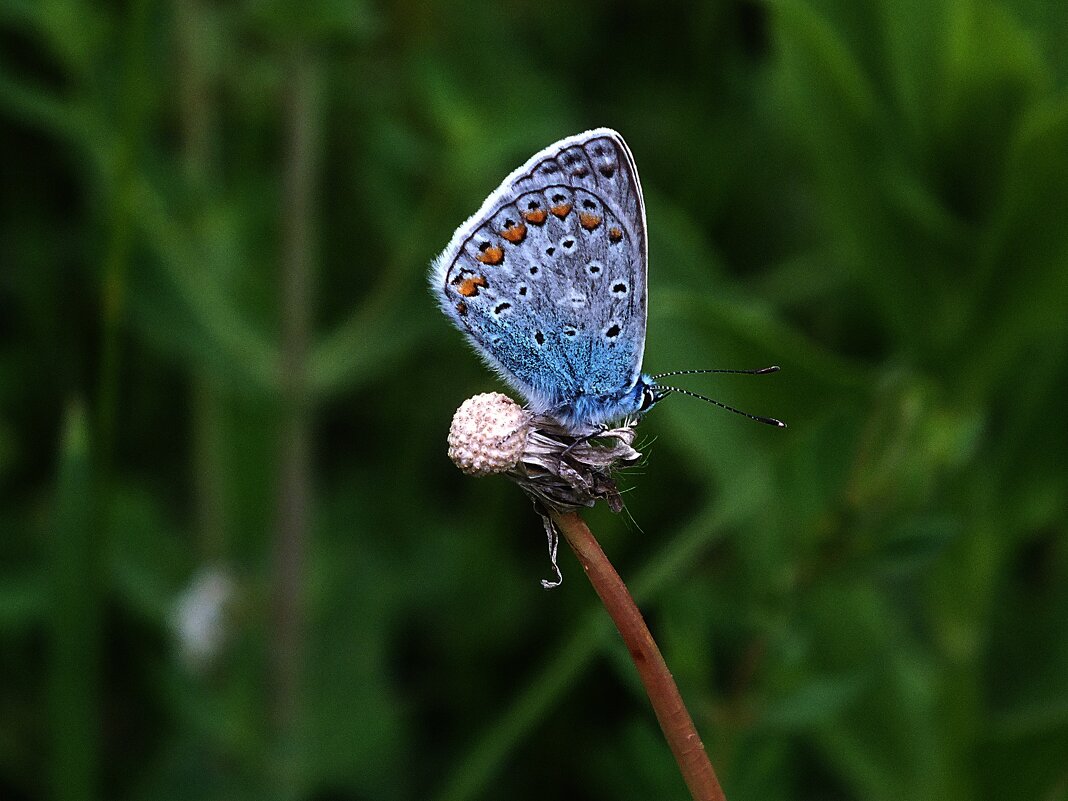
(200, 616)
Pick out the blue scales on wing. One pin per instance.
(548, 279)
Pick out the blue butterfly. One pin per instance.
(548, 282)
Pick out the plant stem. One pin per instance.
(76, 636)
(291, 535)
(197, 107)
(130, 130)
(670, 711)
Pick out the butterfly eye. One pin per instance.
(649, 397)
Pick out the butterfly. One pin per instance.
(548, 279)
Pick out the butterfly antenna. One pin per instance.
(762, 371)
(771, 421)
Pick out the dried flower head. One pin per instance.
(491, 433)
(559, 469)
(488, 434)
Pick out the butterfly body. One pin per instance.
(548, 282)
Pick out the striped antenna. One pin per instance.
(771, 421)
(762, 371)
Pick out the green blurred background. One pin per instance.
(235, 562)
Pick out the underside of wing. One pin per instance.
(548, 278)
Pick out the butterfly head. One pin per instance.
(595, 409)
(649, 393)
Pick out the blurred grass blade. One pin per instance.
(75, 654)
(22, 604)
(475, 773)
(824, 66)
(362, 348)
(190, 296)
(39, 108)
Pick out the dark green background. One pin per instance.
(218, 350)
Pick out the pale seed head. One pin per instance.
(488, 434)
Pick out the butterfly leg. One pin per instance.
(599, 431)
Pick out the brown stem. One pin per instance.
(674, 720)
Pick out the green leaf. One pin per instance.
(76, 618)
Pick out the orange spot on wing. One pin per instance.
(561, 210)
(491, 255)
(469, 286)
(461, 309)
(588, 220)
(515, 233)
(615, 234)
(535, 216)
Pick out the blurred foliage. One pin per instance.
(872, 604)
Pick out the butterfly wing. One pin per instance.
(548, 278)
